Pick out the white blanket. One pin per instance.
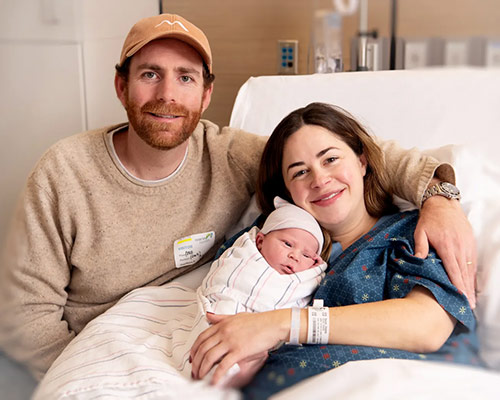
(140, 347)
(242, 281)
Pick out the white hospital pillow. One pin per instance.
(478, 178)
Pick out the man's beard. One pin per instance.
(161, 135)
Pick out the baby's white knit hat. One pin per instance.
(288, 215)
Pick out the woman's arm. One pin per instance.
(415, 323)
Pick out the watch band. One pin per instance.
(445, 189)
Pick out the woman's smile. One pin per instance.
(328, 198)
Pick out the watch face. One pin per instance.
(448, 187)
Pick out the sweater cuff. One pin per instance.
(442, 171)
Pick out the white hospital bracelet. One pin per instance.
(295, 327)
(318, 325)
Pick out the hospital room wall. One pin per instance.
(243, 34)
(57, 61)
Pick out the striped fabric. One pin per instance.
(242, 281)
(139, 348)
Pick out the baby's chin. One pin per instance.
(283, 269)
(286, 270)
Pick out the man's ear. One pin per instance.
(259, 238)
(120, 88)
(207, 96)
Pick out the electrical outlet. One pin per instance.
(288, 57)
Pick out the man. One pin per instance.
(137, 204)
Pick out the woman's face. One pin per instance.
(324, 176)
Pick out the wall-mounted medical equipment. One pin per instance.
(451, 52)
(492, 53)
(423, 52)
(377, 54)
(327, 41)
(464, 51)
(326, 36)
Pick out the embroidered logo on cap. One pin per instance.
(172, 23)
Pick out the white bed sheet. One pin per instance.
(395, 380)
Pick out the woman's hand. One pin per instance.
(247, 370)
(237, 338)
(443, 224)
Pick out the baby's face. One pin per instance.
(289, 250)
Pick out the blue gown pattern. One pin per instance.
(378, 266)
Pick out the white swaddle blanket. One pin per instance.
(140, 347)
(242, 281)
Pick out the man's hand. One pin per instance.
(444, 226)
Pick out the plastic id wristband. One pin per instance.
(295, 327)
(318, 326)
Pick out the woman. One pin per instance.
(382, 300)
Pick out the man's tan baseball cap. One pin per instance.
(166, 26)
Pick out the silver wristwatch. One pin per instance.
(445, 189)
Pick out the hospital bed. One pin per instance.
(454, 115)
(451, 114)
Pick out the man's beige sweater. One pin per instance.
(86, 232)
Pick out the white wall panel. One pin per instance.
(103, 107)
(41, 102)
(56, 77)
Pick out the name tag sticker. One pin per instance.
(190, 249)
